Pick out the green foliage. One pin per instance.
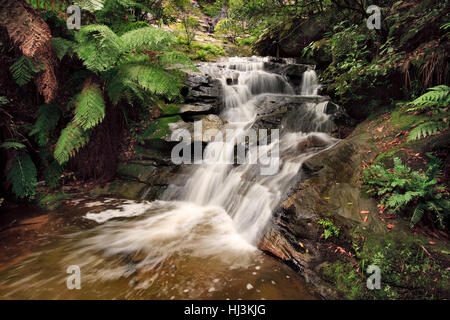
(329, 228)
(70, 141)
(3, 101)
(89, 107)
(48, 118)
(148, 38)
(99, 47)
(212, 9)
(23, 176)
(63, 47)
(401, 188)
(435, 97)
(229, 28)
(24, 70)
(12, 145)
(435, 103)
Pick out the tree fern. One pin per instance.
(49, 115)
(90, 106)
(90, 5)
(70, 141)
(23, 70)
(149, 38)
(149, 78)
(176, 59)
(99, 47)
(23, 176)
(63, 47)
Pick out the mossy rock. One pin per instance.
(135, 171)
(52, 201)
(159, 129)
(122, 189)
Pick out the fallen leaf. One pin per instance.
(390, 226)
(431, 242)
(364, 211)
(365, 218)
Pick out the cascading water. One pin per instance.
(310, 85)
(217, 218)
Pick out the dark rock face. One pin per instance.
(202, 90)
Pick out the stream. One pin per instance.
(199, 241)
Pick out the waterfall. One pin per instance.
(223, 208)
(310, 85)
(199, 239)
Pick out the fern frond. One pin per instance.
(418, 213)
(438, 95)
(89, 106)
(12, 145)
(23, 70)
(23, 176)
(49, 115)
(99, 47)
(90, 5)
(63, 47)
(426, 129)
(177, 60)
(149, 38)
(150, 78)
(70, 141)
(3, 100)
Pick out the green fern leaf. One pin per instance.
(23, 70)
(426, 129)
(90, 107)
(23, 176)
(3, 100)
(99, 47)
(149, 38)
(12, 145)
(70, 141)
(175, 59)
(63, 47)
(49, 115)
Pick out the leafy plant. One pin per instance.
(138, 65)
(401, 188)
(49, 115)
(24, 70)
(435, 104)
(23, 176)
(329, 228)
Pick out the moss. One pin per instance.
(52, 201)
(122, 189)
(136, 171)
(159, 128)
(401, 120)
(407, 270)
(170, 109)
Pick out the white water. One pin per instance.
(310, 85)
(223, 209)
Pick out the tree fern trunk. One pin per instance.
(98, 159)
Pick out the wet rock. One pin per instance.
(202, 90)
(328, 186)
